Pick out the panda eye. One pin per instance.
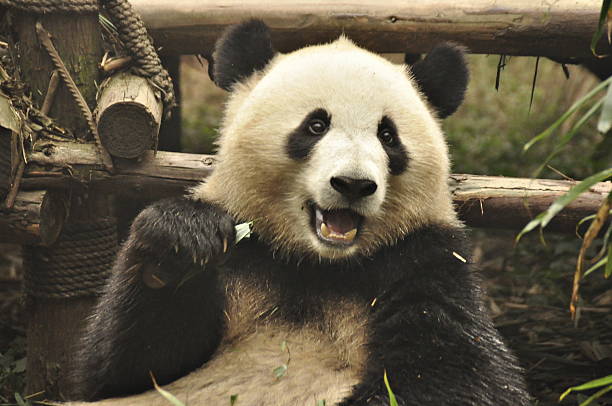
(387, 137)
(316, 126)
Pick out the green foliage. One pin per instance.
(12, 370)
(392, 400)
(544, 218)
(605, 382)
(490, 129)
(605, 8)
(167, 395)
(575, 107)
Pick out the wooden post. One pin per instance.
(54, 324)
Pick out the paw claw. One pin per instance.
(224, 245)
(151, 280)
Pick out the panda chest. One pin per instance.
(323, 355)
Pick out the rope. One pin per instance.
(77, 265)
(132, 32)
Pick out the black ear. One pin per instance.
(242, 49)
(443, 77)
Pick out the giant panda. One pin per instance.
(357, 267)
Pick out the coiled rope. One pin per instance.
(131, 29)
(77, 265)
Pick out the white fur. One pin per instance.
(323, 359)
(256, 179)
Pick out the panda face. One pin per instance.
(333, 152)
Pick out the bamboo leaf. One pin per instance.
(608, 270)
(598, 265)
(243, 230)
(589, 237)
(544, 218)
(571, 133)
(530, 226)
(392, 399)
(596, 383)
(596, 395)
(20, 401)
(279, 372)
(169, 396)
(605, 119)
(577, 105)
(573, 193)
(605, 7)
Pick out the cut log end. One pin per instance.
(128, 115)
(127, 130)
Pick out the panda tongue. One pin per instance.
(340, 221)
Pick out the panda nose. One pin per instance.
(353, 189)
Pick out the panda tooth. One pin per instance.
(350, 235)
(319, 215)
(325, 230)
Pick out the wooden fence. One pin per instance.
(66, 183)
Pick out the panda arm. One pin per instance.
(160, 311)
(431, 334)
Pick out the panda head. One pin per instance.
(331, 150)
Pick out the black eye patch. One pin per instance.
(389, 139)
(314, 126)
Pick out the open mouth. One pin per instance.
(338, 227)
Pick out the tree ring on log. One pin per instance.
(127, 130)
(128, 115)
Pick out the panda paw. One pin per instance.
(175, 238)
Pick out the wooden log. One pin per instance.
(128, 115)
(510, 203)
(482, 201)
(53, 325)
(560, 29)
(36, 218)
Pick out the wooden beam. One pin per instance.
(482, 201)
(559, 29)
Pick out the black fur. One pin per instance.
(242, 50)
(301, 141)
(443, 77)
(428, 328)
(398, 157)
(135, 329)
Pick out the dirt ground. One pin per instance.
(528, 287)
